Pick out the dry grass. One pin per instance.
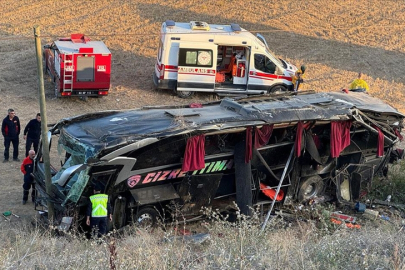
(239, 245)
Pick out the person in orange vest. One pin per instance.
(298, 78)
(98, 211)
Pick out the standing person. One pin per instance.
(10, 128)
(32, 133)
(359, 84)
(298, 78)
(27, 168)
(98, 209)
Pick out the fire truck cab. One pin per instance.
(224, 59)
(78, 66)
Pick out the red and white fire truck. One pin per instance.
(78, 66)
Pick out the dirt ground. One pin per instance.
(335, 40)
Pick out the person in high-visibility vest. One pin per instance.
(98, 211)
(359, 84)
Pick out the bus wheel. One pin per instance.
(185, 94)
(277, 88)
(146, 217)
(310, 188)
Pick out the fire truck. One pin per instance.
(222, 59)
(78, 66)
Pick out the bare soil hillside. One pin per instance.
(335, 39)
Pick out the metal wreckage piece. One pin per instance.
(298, 146)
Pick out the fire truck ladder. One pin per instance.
(68, 73)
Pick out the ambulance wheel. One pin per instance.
(278, 88)
(185, 94)
(310, 188)
(146, 217)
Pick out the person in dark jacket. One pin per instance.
(99, 210)
(32, 133)
(10, 128)
(27, 168)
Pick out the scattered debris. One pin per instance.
(383, 217)
(348, 224)
(360, 207)
(343, 217)
(7, 215)
(65, 224)
(371, 214)
(389, 203)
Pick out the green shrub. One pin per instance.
(393, 185)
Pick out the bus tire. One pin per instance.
(310, 187)
(146, 217)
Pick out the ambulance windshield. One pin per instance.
(262, 41)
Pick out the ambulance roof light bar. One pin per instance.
(199, 26)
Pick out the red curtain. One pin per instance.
(194, 154)
(298, 139)
(380, 143)
(317, 141)
(262, 136)
(401, 138)
(339, 137)
(248, 151)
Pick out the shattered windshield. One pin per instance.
(69, 157)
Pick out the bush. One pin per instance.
(393, 185)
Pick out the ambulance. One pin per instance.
(222, 59)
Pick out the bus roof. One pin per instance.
(110, 129)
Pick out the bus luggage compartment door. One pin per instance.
(154, 194)
(198, 191)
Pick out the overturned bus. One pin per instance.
(164, 161)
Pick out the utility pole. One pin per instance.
(44, 128)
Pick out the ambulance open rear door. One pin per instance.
(197, 67)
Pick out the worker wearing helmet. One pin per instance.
(298, 77)
(359, 84)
